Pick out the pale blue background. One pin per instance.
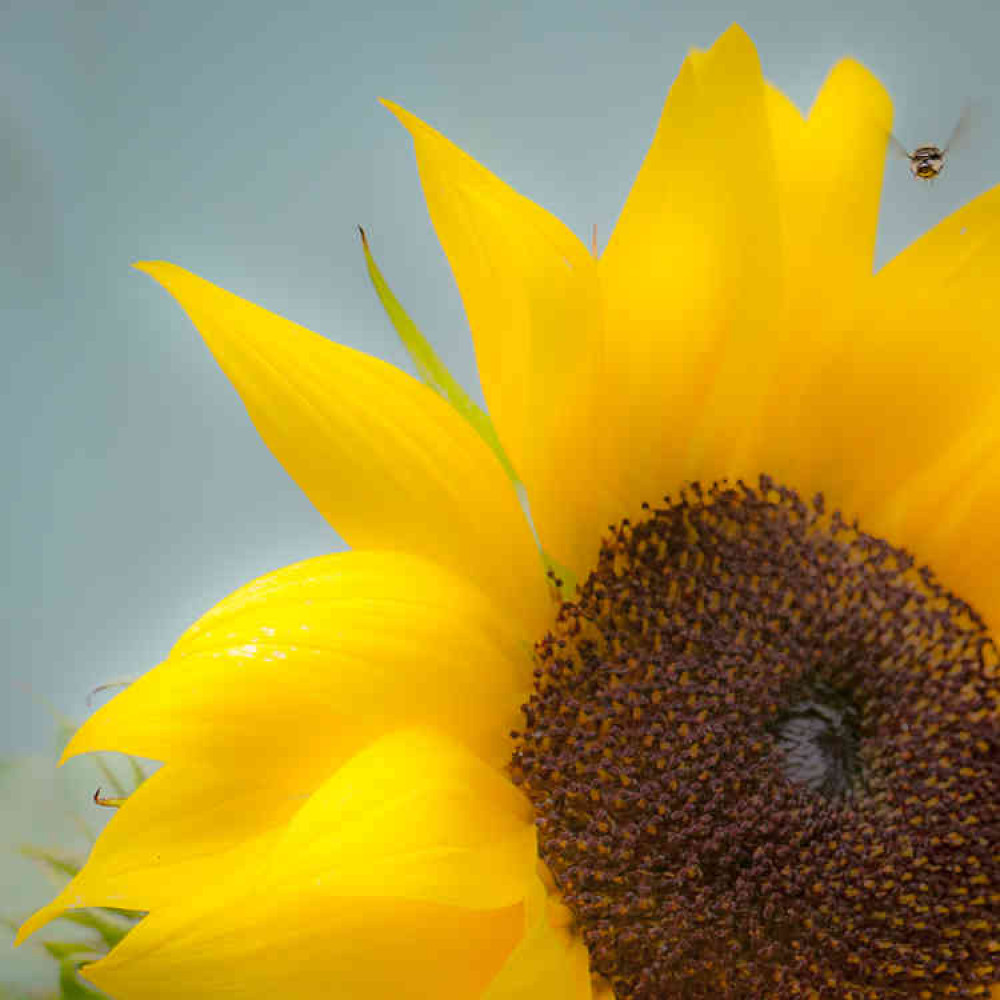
(243, 141)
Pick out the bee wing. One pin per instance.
(972, 114)
(897, 148)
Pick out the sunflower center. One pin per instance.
(819, 738)
(762, 751)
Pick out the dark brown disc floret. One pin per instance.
(763, 755)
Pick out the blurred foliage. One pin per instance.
(55, 811)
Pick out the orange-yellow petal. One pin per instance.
(530, 292)
(295, 671)
(388, 462)
(691, 276)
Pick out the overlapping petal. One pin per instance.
(830, 179)
(692, 276)
(295, 942)
(530, 292)
(830, 210)
(947, 513)
(295, 671)
(759, 406)
(414, 816)
(382, 457)
(550, 961)
(414, 892)
(898, 425)
(184, 828)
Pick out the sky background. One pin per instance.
(244, 141)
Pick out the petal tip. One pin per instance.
(854, 83)
(406, 118)
(735, 41)
(159, 270)
(735, 34)
(150, 267)
(69, 752)
(83, 741)
(40, 918)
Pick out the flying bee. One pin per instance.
(926, 162)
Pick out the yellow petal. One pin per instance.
(957, 259)
(352, 900)
(530, 292)
(182, 829)
(947, 515)
(831, 178)
(383, 458)
(311, 946)
(964, 548)
(295, 671)
(691, 276)
(834, 207)
(550, 963)
(414, 816)
(829, 174)
(787, 127)
(916, 374)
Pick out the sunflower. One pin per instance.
(740, 741)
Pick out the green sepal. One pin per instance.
(430, 368)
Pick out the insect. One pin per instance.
(926, 162)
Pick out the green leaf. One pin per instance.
(430, 368)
